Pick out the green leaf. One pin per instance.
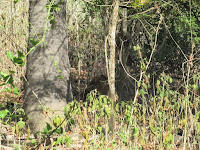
(8, 79)
(195, 87)
(59, 130)
(21, 123)
(198, 127)
(105, 101)
(59, 71)
(32, 41)
(107, 110)
(170, 80)
(52, 22)
(158, 83)
(61, 77)
(19, 61)
(16, 1)
(117, 107)
(55, 63)
(20, 55)
(12, 72)
(197, 39)
(48, 126)
(10, 55)
(100, 129)
(143, 66)
(129, 108)
(8, 90)
(33, 141)
(142, 92)
(16, 91)
(59, 140)
(2, 74)
(72, 121)
(3, 113)
(47, 129)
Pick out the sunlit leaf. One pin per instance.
(4, 113)
(170, 80)
(21, 123)
(10, 55)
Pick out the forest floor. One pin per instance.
(88, 129)
(9, 136)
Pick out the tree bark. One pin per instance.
(112, 43)
(48, 86)
(111, 62)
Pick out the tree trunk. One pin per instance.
(48, 86)
(111, 62)
(112, 43)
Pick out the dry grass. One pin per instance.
(13, 35)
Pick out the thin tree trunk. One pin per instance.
(112, 43)
(111, 63)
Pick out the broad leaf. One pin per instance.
(10, 55)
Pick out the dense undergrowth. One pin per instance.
(166, 119)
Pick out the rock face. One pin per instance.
(100, 83)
